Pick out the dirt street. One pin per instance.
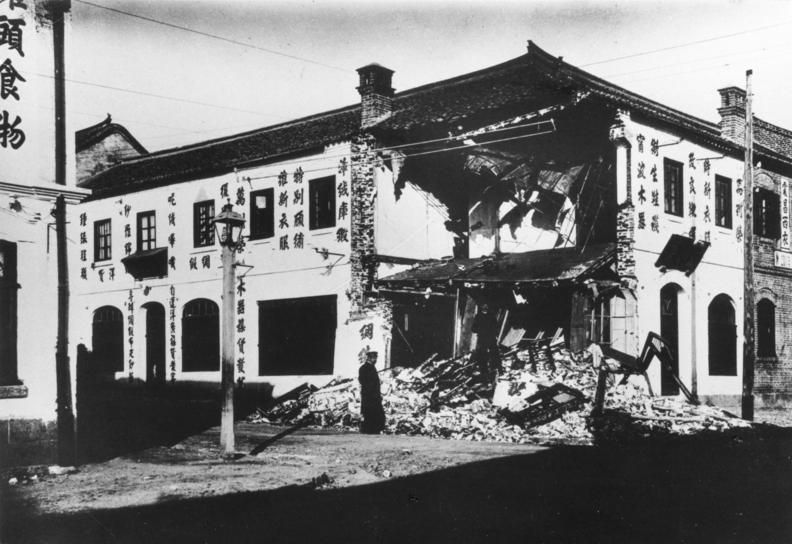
(328, 486)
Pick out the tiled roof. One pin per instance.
(89, 136)
(477, 97)
(222, 155)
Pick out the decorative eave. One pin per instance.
(73, 195)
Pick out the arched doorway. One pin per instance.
(669, 330)
(155, 342)
(108, 338)
(200, 336)
(722, 337)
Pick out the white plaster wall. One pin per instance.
(412, 226)
(36, 303)
(525, 237)
(270, 273)
(721, 270)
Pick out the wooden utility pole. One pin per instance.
(748, 287)
(227, 351)
(65, 411)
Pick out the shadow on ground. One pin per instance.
(726, 490)
(116, 418)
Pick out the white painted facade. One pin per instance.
(269, 270)
(27, 198)
(721, 269)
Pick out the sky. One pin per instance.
(265, 62)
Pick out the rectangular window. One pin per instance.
(8, 313)
(723, 202)
(102, 240)
(672, 179)
(262, 214)
(322, 201)
(297, 336)
(767, 217)
(203, 229)
(146, 231)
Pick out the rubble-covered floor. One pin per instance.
(543, 396)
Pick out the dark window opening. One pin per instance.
(765, 329)
(297, 336)
(722, 337)
(203, 229)
(262, 214)
(102, 240)
(672, 179)
(723, 202)
(421, 329)
(8, 313)
(108, 338)
(322, 201)
(146, 231)
(599, 322)
(200, 336)
(767, 217)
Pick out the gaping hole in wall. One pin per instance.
(200, 336)
(297, 336)
(554, 188)
(722, 337)
(108, 339)
(422, 327)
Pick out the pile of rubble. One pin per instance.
(532, 400)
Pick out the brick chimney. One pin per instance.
(376, 94)
(732, 112)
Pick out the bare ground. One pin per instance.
(331, 486)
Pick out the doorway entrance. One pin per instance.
(669, 330)
(155, 342)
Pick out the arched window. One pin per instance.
(722, 337)
(200, 336)
(765, 328)
(108, 338)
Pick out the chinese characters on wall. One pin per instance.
(12, 29)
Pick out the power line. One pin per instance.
(681, 45)
(154, 95)
(214, 36)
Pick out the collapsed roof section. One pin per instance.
(509, 270)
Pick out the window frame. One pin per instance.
(766, 213)
(723, 202)
(203, 228)
(676, 197)
(150, 229)
(315, 188)
(103, 251)
(260, 228)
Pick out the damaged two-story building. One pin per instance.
(562, 200)
(582, 207)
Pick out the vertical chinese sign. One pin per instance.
(12, 31)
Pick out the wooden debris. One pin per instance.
(451, 399)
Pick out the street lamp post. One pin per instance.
(228, 226)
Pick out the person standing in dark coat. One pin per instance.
(370, 396)
(486, 353)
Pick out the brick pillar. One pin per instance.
(625, 218)
(363, 203)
